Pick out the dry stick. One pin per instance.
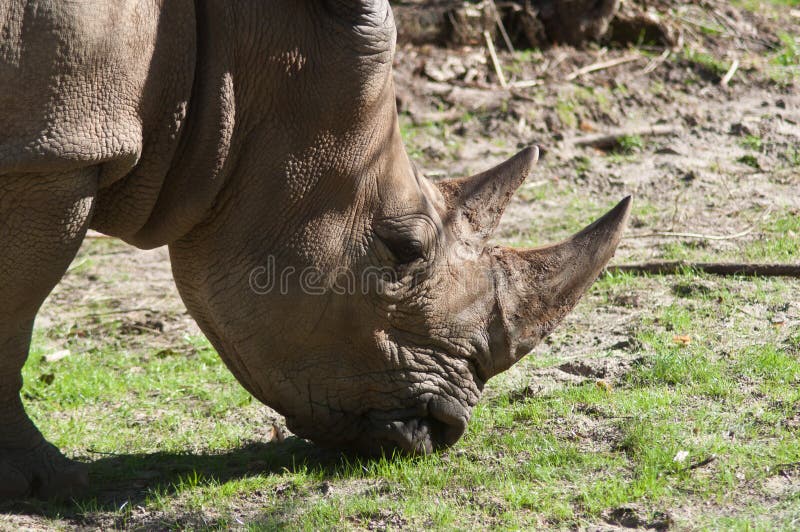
(520, 95)
(526, 84)
(94, 234)
(75, 265)
(674, 234)
(495, 61)
(697, 465)
(602, 65)
(609, 140)
(116, 312)
(502, 28)
(701, 236)
(715, 268)
(656, 62)
(557, 61)
(731, 72)
(705, 27)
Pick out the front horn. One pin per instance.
(536, 288)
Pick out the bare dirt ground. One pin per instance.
(702, 178)
(729, 165)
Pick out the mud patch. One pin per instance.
(600, 368)
(633, 516)
(785, 483)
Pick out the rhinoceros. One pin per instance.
(256, 138)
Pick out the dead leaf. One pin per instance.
(604, 385)
(56, 356)
(682, 339)
(277, 434)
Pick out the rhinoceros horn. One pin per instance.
(537, 287)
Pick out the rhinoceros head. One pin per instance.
(341, 287)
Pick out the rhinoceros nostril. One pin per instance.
(447, 422)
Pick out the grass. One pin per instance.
(698, 429)
(775, 240)
(705, 61)
(756, 5)
(565, 110)
(705, 415)
(788, 55)
(749, 160)
(785, 61)
(564, 458)
(752, 142)
(780, 241)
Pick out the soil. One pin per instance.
(700, 179)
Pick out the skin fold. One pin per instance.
(260, 142)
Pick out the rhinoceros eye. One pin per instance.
(405, 251)
(408, 241)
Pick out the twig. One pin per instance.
(519, 95)
(701, 236)
(702, 463)
(697, 465)
(705, 27)
(729, 75)
(104, 453)
(74, 266)
(609, 140)
(560, 58)
(714, 268)
(656, 62)
(602, 65)
(502, 28)
(784, 468)
(122, 311)
(495, 61)
(526, 84)
(94, 234)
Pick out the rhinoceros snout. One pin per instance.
(438, 426)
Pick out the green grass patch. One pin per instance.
(563, 458)
(780, 240)
(750, 160)
(752, 142)
(706, 61)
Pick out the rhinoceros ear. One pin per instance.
(475, 204)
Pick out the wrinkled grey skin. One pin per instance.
(244, 134)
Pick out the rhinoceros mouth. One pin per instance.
(430, 427)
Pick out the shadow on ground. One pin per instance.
(122, 480)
